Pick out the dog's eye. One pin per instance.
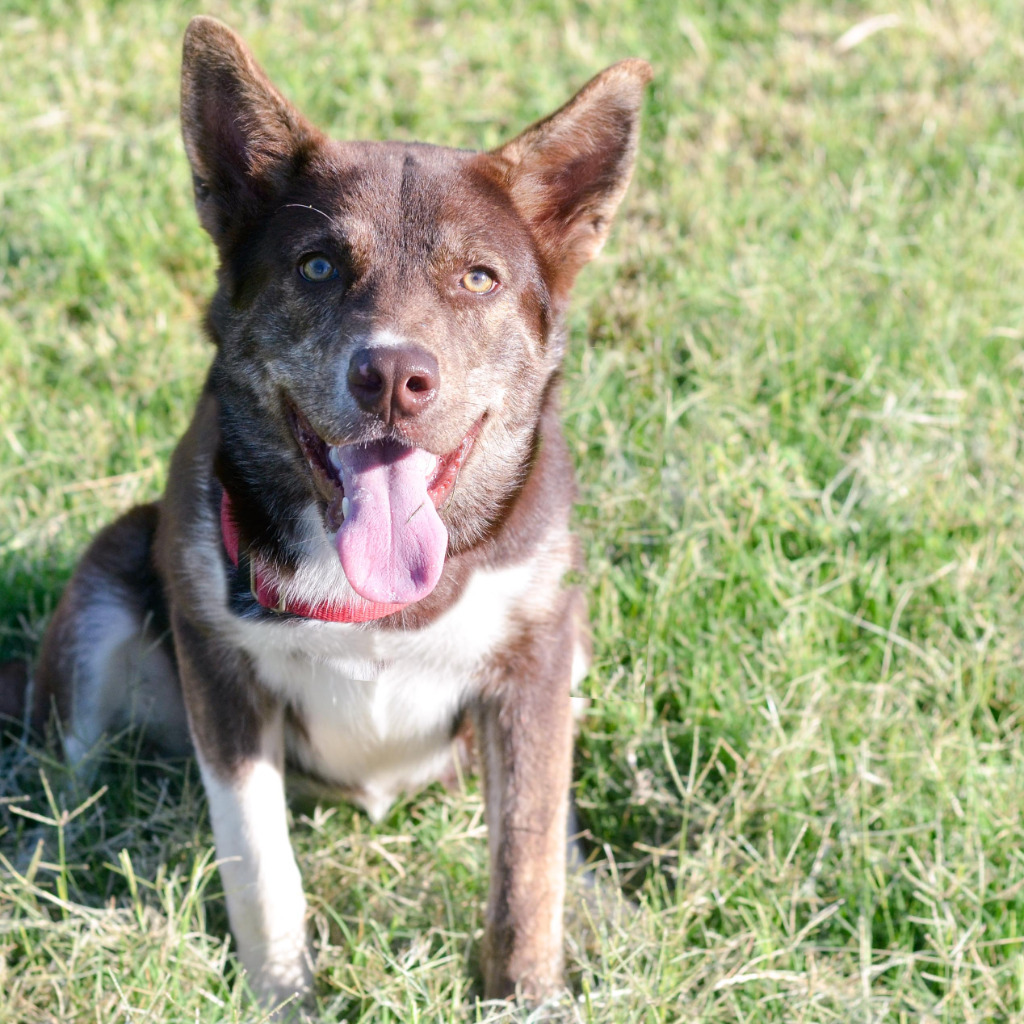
(478, 281)
(317, 268)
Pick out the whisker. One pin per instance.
(303, 206)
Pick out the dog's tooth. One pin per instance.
(334, 457)
(344, 507)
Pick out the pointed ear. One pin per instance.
(567, 174)
(242, 137)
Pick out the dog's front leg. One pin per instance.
(238, 731)
(262, 886)
(525, 734)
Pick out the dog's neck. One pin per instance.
(269, 594)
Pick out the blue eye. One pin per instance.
(317, 268)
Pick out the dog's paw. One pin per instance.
(281, 983)
(528, 981)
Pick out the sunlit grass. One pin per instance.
(795, 397)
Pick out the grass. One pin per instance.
(795, 396)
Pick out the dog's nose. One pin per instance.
(393, 382)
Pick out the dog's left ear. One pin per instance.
(568, 173)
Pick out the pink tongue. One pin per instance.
(392, 542)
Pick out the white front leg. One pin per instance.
(262, 886)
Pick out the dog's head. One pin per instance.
(388, 317)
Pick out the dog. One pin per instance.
(359, 566)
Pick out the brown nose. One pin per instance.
(393, 382)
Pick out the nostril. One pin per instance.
(367, 377)
(417, 384)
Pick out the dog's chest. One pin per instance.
(374, 711)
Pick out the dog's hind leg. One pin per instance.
(15, 687)
(107, 660)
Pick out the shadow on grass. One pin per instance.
(31, 582)
(121, 799)
(646, 804)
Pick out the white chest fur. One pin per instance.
(377, 707)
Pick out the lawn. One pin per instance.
(794, 393)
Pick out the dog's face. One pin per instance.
(388, 316)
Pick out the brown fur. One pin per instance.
(158, 609)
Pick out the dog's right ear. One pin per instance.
(243, 138)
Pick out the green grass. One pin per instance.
(796, 396)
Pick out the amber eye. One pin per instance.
(317, 268)
(478, 281)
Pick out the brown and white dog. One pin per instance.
(360, 559)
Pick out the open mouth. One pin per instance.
(383, 500)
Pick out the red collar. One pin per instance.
(267, 592)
